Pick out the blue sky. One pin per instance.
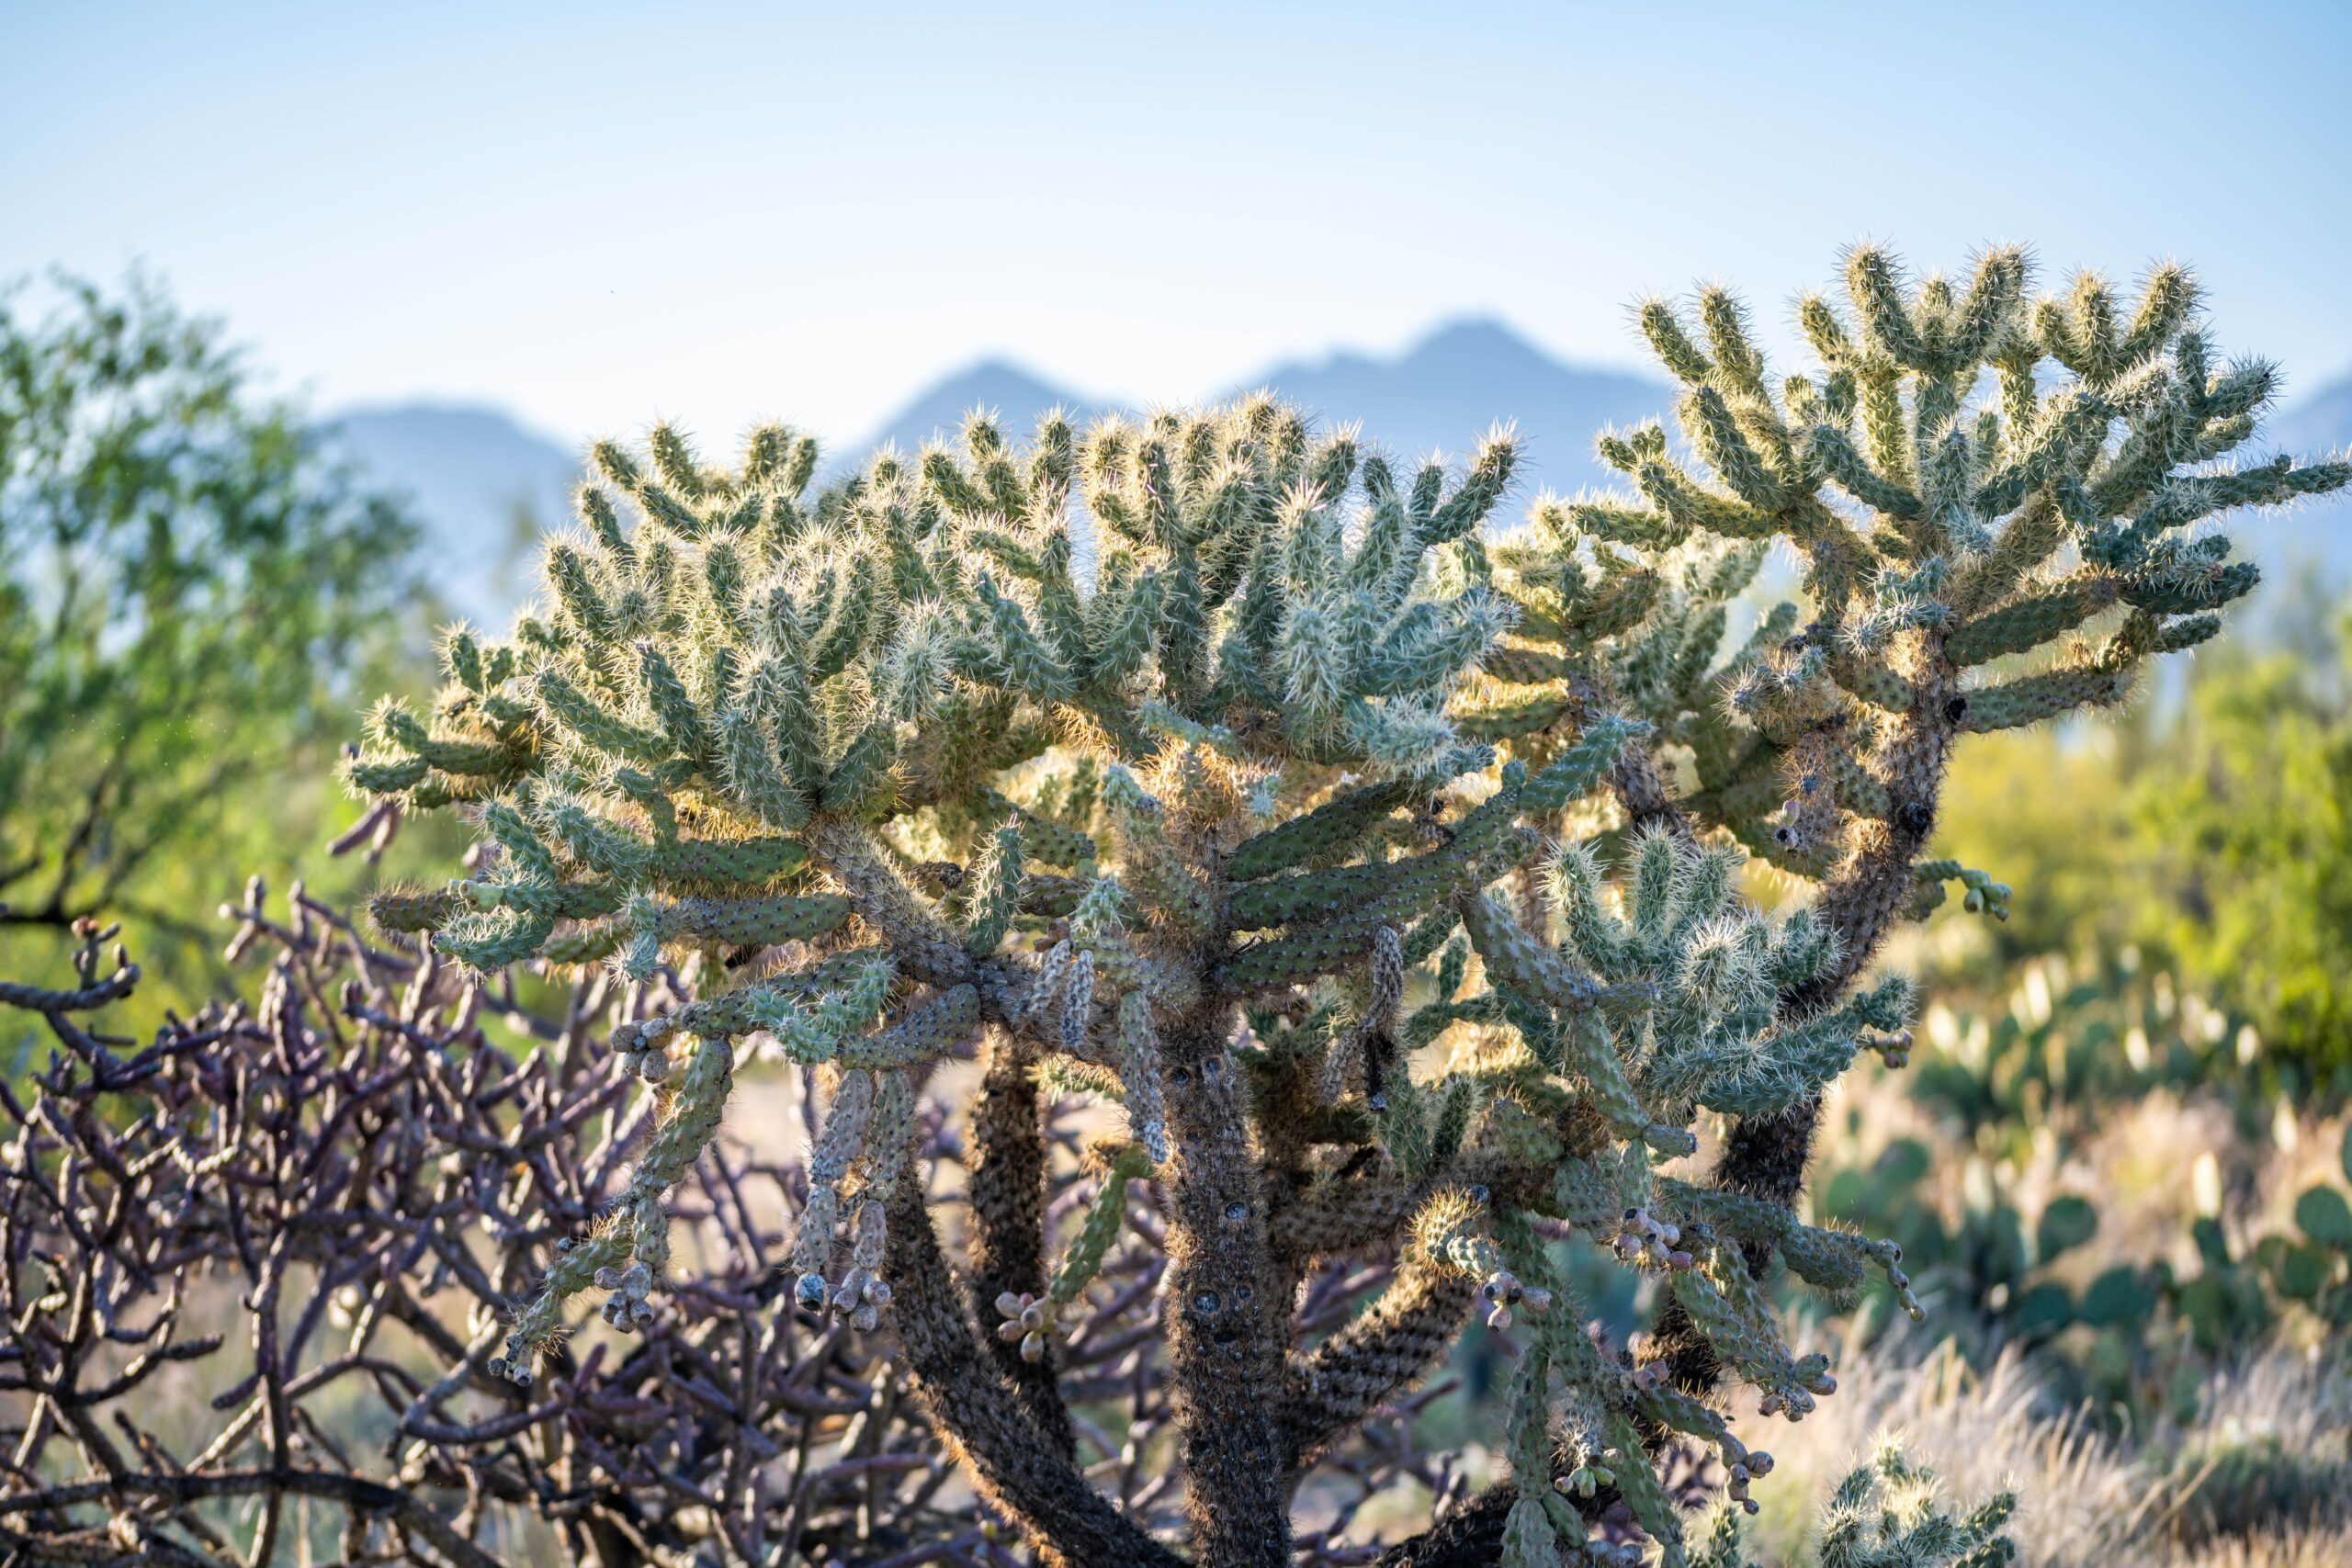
(593, 215)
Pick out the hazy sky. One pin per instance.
(594, 216)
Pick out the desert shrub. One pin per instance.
(2207, 831)
(2103, 1168)
(258, 1268)
(2248, 826)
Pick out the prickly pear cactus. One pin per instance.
(1388, 882)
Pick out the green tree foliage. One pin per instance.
(1386, 879)
(2052, 807)
(2245, 823)
(2212, 832)
(188, 587)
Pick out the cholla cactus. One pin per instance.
(1997, 504)
(1160, 766)
(1885, 1514)
(1940, 538)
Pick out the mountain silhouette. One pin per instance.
(484, 487)
(1439, 396)
(1444, 392)
(936, 414)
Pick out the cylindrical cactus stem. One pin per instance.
(1082, 1258)
(1343, 1063)
(1225, 1337)
(1140, 1071)
(1007, 1245)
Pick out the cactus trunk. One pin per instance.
(1224, 1334)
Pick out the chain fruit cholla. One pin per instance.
(1389, 877)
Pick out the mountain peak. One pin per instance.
(1445, 389)
(1018, 394)
(1440, 393)
(484, 485)
(1483, 339)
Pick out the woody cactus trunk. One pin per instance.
(1387, 878)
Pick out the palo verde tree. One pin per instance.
(190, 588)
(1385, 880)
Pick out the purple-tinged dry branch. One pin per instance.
(239, 1257)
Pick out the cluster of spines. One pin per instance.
(1938, 533)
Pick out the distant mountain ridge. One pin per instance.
(477, 477)
(1440, 395)
(483, 486)
(936, 414)
(1448, 390)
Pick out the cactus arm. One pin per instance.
(1007, 1244)
(1409, 1330)
(1860, 903)
(1016, 1469)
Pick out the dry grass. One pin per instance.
(2262, 1479)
